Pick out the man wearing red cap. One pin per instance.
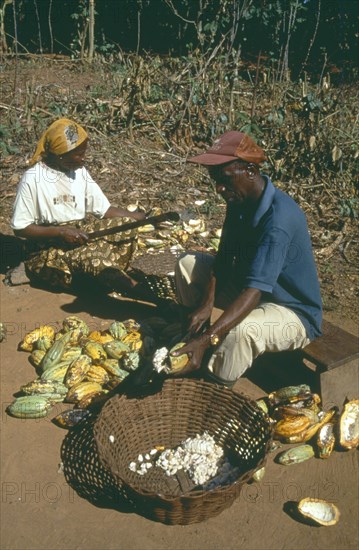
(263, 277)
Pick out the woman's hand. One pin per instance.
(137, 215)
(72, 235)
(116, 212)
(66, 234)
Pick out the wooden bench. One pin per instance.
(332, 360)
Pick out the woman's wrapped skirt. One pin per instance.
(104, 258)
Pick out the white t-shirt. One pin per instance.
(48, 196)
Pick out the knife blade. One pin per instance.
(153, 220)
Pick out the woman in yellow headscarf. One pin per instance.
(55, 196)
(61, 137)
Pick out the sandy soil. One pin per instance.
(41, 507)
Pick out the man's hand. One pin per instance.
(232, 315)
(198, 318)
(195, 350)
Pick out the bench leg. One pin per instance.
(339, 384)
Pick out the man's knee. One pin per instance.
(184, 264)
(211, 377)
(245, 336)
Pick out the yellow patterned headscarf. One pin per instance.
(62, 136)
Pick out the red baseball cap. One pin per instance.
(231, 146)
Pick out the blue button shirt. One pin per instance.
(271, 250)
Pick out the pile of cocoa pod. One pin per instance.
(177, 235)
(297, 417)
(78, 366)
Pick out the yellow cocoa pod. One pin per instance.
(29, 340)
(348, 425)
(71, 353)
(131, 325)
(116, 349)
(97, 374)
(76, 335)
(100, 337)
(36, 357)
(114, 382)
(78, 392)
(312, 429)
(73, 322)
(290, 425)
(289, 392)
(133, 340)
(113, 368)
(92, 399)
(38, 387)
(326, 440)
(3, 331)
(179, 362)
(318, 511)
(44, 343)
(95, 351)
(77, 370)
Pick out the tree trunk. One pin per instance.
(91, 29)
(3, 43)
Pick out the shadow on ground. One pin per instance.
(277, 370)
(12, 252)
(104, 306)
(85, 473)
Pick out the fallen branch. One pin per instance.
(327, 251)
(344, 251)
(11, 107)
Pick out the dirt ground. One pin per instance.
(51, 497)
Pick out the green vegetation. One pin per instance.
(165, 77)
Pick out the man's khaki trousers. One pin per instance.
(268, 328)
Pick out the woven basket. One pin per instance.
(157, 271)
(183, 408)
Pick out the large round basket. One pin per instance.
(157, 272)
(129, 426)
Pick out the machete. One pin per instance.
(153, 220)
